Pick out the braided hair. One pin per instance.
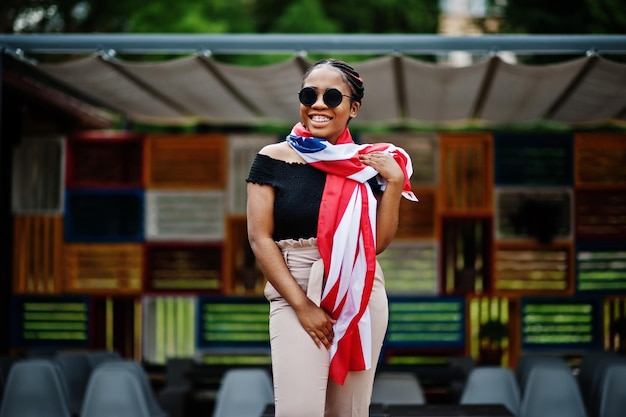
(349, 74)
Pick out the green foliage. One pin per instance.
(606, 16)
(349, 16)
(217, 16)
(539, 16)
(44, 16)
(384, 16)
(561, 16)
(304, 16)
(494, 331)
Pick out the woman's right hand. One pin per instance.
(317, 323)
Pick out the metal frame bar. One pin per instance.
(312, 43)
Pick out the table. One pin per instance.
(429, 410)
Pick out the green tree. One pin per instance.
(215, 16)
(304, 16)
(561, 16)
(385, 16)
(607, 16)
(353, 16)
(44, 16)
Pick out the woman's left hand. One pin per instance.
(384, 163)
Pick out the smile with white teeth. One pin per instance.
(320, 118)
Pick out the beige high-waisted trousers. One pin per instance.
(300, 369)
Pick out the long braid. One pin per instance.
(350, 75)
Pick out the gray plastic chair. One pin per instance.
(492, 385)
(114, 392)
(551, 391)
(594, 391)
(527, 363)
(76, 370)
(135, 368)
(35, 388)
(397, 388)
(244, 392)
(173, 396)
(613, 395)
(98, 357)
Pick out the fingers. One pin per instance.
(384, 163)
(322, 337)
(376, 158)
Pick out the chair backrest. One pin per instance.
(594, 391)
(6, 361)
(613, 394)
(35, 388)
(528, 362)
(114, 391)
(76, 370)
(492, 385)
(551, 391)
(243, 392)
(134, 367)
(397, 388)
(98, 357)
(588, 362)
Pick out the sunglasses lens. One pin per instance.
(308, 96)
(333, 97)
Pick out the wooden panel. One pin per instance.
(614, 323)
(37, 254)
(231, 325)
(560, 324)
(600, 159)
(534, 269)
(490, 330)
(410, 267)
(466, 173)
(540, 214)
(186, 161)
(38, 176)
(108, 269)
(104, 215)
(600, 214)
(426, 323)
(104, 159)
(601, 268)
(50, 323)
(183, 267)
(116, 325)
(168, 328)
(531, 159)
(466, 245)
(184, 215)
(242, 151)
(417, 220)
(242, 274)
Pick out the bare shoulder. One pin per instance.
(281, 151)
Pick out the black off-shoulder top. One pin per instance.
(299, 189)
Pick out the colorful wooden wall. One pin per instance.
(138, 243)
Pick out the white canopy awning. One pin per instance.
(399, 90)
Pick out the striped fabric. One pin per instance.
(347, 239)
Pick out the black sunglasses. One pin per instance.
(332, 97)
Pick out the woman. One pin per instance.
(315, 227)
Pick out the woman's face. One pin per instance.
(319, 119)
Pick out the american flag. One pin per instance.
(347, 239)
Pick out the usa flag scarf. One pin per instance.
(347, 239)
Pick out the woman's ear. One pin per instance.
(354, 109)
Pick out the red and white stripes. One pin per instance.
(347, 240)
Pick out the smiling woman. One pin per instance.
(315, 227)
